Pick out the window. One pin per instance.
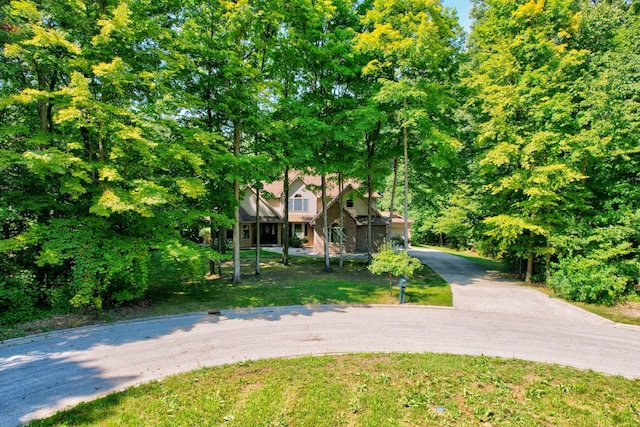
(349, 203)
(335, 234)
(297, 230)
(298, 204)
(245, 232)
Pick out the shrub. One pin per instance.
(398, 241)
(297, 242)
(588, 280)
(18, 297)
(394, 262)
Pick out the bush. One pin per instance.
(395, 262)
(588, 280)
(397, 241)
(18, 297)
(297, 242)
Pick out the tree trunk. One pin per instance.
(325, 226)
(222, 246)
(341, 201)
(371, 150)
(369, 217)
(236, 195)
(212, 244)
(406, 187)
(285, 222)
(530, 260)
(257, 231)
(393, 198)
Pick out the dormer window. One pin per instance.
(298, 204)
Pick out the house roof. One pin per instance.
(376, 218)
(397, 218)
(265, 219)
(313, 183)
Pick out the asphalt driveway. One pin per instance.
(42, 374)
(476, 289)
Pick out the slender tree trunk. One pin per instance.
(530, 260)
(369, 218)
(43, 106)
(285, 221)
(393, 198)
(547, 262)
(222, 246)
(212, 244)
(406, 186)
(325, 225)
(371, 150)
(257, 231)
(341, 201)
(236, 195)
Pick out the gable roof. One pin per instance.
(313, 184)
(267, 213)
(376, 218)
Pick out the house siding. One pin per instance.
(379, 233)
(333, 216)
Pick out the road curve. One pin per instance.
(45, 373)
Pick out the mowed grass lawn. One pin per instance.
(370, 390)
(302, 282)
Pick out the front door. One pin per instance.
(269, 234)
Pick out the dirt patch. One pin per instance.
(631, 309)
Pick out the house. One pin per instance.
(306, 216)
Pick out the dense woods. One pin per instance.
(127, 126)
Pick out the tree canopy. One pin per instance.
(128, 126)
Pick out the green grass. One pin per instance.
(302, 282)
(371, 390)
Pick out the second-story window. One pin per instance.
(298, 204)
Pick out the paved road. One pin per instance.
(45, 373)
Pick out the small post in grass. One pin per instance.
(402, 283)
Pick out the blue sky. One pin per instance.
(463, 7)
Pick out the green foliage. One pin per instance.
(19, 296)
(553, 90)
(588, 280)
(393, 261)
(297, 242)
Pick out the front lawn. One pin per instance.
(301, 282)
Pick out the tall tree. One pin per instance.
(413, 47)
(226, 45)
(93, 143)
(525, 65)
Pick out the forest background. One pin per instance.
(128, 126)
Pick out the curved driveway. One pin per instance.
(492, 316)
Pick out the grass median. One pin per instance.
(371, 390)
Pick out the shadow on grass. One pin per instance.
(276, 313)
(303, 282)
